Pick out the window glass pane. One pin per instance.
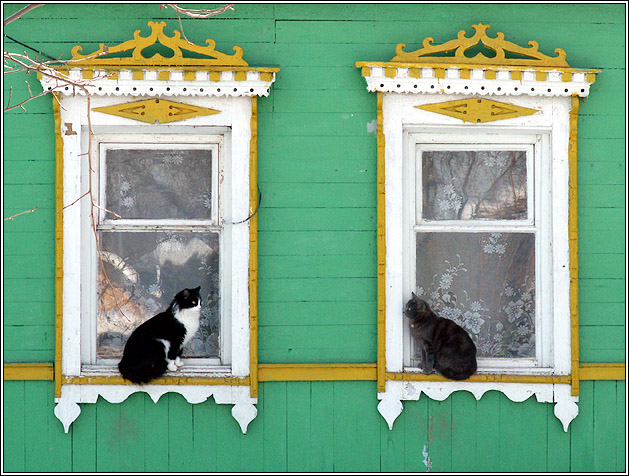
(474, 185)
(143, 272)
(485, 282)
(159, 183)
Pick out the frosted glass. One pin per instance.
(474, 185)
(159, 183)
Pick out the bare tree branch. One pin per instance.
(21, 12)
(21, 213)
(198, 13)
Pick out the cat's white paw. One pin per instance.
(172, 366)
(178, 362)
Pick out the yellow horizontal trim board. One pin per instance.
(602, 372)
(482, 378)
(29, 371)
(117, 380)
(311, 372)
(466, 66)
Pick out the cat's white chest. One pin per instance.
(190, 319)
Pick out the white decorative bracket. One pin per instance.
(390, 406)
(67, 409)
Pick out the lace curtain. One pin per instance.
(474, 185)
(140, 271)
(485, 282)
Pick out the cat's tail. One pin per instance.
(141, 371)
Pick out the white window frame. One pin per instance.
(402, 120)
(536, 144)
(221, 180)
(84, 383)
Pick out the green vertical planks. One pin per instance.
(156, 434)
(14, 410)
(488, 432)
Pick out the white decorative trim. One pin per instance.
(67, 409)
(150, 86)
(390, 406)
(478, 84)
(234, 124)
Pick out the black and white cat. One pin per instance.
(156, 345)
(445, 346)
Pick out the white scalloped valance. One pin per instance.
(478, 81)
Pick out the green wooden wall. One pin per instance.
(317, 246)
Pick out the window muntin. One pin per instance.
(477, 240)
(168, 235)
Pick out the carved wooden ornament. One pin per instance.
(478, 110)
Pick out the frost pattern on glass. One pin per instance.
(143, 272)
(474, 185)
(485, 282)
(159, 183)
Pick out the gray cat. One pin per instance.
(445, 346)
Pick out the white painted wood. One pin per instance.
(477, 85)
(545, 135)
(150, 86)
(390, 406)
(229, 132)
(68, 409)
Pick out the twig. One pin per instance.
(198, 13)
(21, 12)
(21, 213)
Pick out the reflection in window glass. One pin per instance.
(143, 272)
(473, 185)
(159, 183)
(485, 282)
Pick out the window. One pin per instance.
(156, 179)
(477, 215)
(479, 237)
(166, 236)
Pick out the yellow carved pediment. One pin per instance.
(210, 56)
(478, 110)
(156, 111)
(528, 56)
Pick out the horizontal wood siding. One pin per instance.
(317, 254)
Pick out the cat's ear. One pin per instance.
(414, 295)
(197, 289)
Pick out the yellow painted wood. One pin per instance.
(163, 76)
(310, 372)
(500, 378)
(58, 244)
(514, 69)
(490, 74)
(602, 371)
(498, 44)
(156, 111)
(390, 72)
(253, 249)
(315, 372)
(541, 76)
(516, 75)
(175, 43)
(240, 76)
(478, 110)
(29, 371)
(183, 380)
(381, 249)
(138, 75)
(414, 72)
(573, 245)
